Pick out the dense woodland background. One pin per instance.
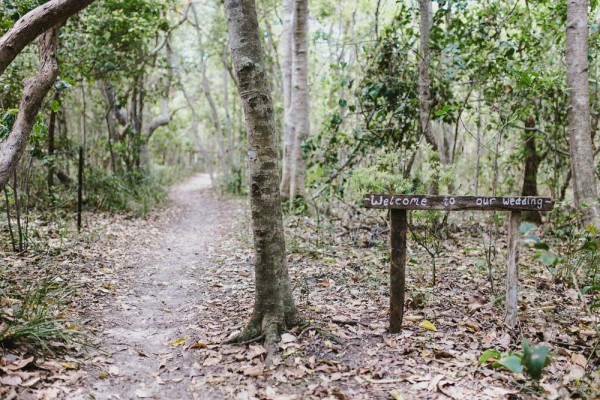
(440, 97)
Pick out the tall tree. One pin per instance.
(300, 100)
(580, 136)
(425, 82)
(532, 163)
(274, 308)
(287, 43)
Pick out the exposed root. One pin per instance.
(256, 339)
(249, 335)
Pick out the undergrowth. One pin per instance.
(34, 315)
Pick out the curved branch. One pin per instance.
(33, 24)
(34, 91)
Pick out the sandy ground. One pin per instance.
(158, 302)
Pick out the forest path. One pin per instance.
(158, 298)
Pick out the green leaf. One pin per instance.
(55, 105)
(534, 359)
(541, 246)
(511, 363)
(548, 258)
(489, 353)
(590, 289)
(526, 227)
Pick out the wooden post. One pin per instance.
(512, 278)
(397, 268)
(79, 188)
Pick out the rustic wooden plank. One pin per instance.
(397, 268)
(457, 203)
(512, 276)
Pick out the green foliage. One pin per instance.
(133, 192)
(384, 176)
(35, 314)
(533, 359)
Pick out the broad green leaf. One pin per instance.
(590, 289)
(488, 354)
(512, 363)
(548, 258)
(534, 359)
(526, 227)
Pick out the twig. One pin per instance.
(383, 381)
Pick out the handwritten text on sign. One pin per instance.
(457, 203)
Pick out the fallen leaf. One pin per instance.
(255, 370)
(179, 342)
(211, 361)
(198, 345)
(142, 394)
(428, 326)
(11, 380)
(579, 360)
(396, 394)
(288, 338)
(19, 365)
(68, 365)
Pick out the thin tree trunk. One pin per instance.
(582, 159)
(300, 100)
(532, 163)
(51, 134)
(425, 84)
(288, 123)
(274, 308)
(34, 91)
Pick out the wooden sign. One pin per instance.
(457, 203)
(400, 203)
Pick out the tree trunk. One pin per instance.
(288, 123)
(580, 138)
(425, 84)
(300, 107)
(51, 141)
(532, 162)
(274, 308)
(33, 24)
(34, 91)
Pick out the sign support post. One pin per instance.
(399, 228)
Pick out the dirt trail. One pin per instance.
(158, 301)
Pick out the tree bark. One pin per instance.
(288, 124)
(424, 82)
(532, 163)
(299, 106)
(35, 90)
(425, 85)
(51, 141)
(274, 308)
(579, 119)
(33, 24)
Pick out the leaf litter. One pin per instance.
(160, 294)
